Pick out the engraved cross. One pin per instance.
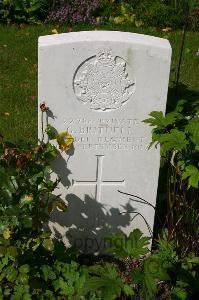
(98, 182)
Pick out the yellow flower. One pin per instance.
(65, 140)
(7, 233)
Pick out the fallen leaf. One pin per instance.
(167, 29)
(98, 19)
(55, 31)
(138, 23)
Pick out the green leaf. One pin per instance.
(7, 292)
(49, 295)
(134, 246)
(193, 260)
(175, 140)
(24, 269)
(128, 290)
(61, 285)
(153, 269)
(156, 268)
(137, 244)
(157, 119)
(37, 178)
(23, 278)
(117, 242)
(12, 276)
(161, 121)
(26, 200)
(50, 152)
(34, 7)
(105, 279)
(192, 173)
(48, 244)
(4, 178)
(27, 221)
(166, 252)
(49, 185)
(180, 105)
(48, 273)
(51, 132)
(193, 129)
(12, 251)
(179, 293)
(2, 251)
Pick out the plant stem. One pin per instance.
(42, 127)
(182, 47)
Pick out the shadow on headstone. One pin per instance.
(59, 166)
(87, 223)
(50, 114)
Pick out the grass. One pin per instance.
(18, 72)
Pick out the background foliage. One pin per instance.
(23, 11)
(138, 13)
(178, 135)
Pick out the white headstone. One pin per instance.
(100, 86)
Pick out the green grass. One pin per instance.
(18, 72)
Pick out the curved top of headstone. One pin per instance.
(112, 36)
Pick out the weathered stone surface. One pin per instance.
(99, 86)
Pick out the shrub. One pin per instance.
(34, 266)
(177, 133)
(147, 13)
(23, 11)
(161, 15)
(154, 13)
(75, 12)
(194, 19)
(26, 199)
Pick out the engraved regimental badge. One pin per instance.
(102, 82)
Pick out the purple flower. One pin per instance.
(76, 11)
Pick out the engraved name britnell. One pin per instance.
(102, 82)
(105, 133)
